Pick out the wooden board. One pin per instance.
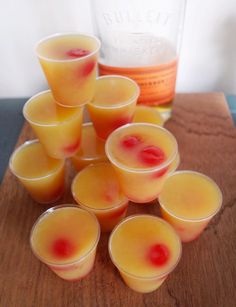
(206, 274)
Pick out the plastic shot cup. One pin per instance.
(113, 104)
(41, 175)
(65, 238)
(142, 155)
(189, 200)
(92, 149)
(69, 62)
(145, 249)
(96, 188)
(145, 114)
(58, 128)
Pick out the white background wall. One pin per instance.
(208, 56)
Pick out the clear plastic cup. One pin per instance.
(97, 189)
(142, 182)
(145, 114)
(92, 149)
(69, 62)
(145, 249)
(42, 176)
(58, 128)
(189, 200)
(65, 238)
(113, 104)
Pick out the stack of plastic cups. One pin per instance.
(125, 155)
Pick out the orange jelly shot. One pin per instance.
(92, 149)
(142, 155)
(188, 202)
(144, 114)
(58, 128)
(145, 249)
(97, 189)
(69, 62)
(113, 104)
(65, 238)
(41, 175)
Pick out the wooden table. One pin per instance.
(206, 274)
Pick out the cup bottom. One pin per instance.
(142, 285)
(51, 201)
(146, 201)
(72, 106)
(76, 272)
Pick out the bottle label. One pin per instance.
(157, 83)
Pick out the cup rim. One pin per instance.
(145, 277)
(141, 170)
(61, 34)
(199, 219)
(62, 264)
(68, 106)
(25, 144)
(42, 93)
(118, 205)
(94, 157)
(121, 104)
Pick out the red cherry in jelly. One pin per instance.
(112, 192)
(121, 121)
(158, 254)
(88, 68)
(181, 229)
(160, 173)
(110, 196)
(72, 147)
(152, 155)
(63, 248)
(77, 52)
(131, 141)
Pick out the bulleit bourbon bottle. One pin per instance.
(141, 40)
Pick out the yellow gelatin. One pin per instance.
(188, 201)
(69, 62)
(58, 128)
(41, 175)
(142, 155)
(96, 188)
(113, 104)
(145, 249)
(92, 149)
(144, 114)
(65, 238)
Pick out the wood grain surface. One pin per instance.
(206, 274)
